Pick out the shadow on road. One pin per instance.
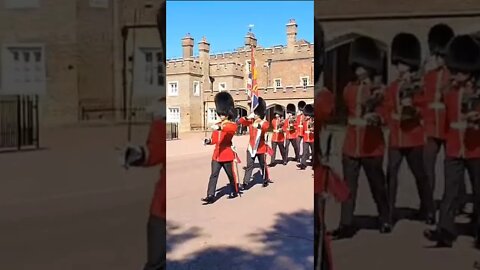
(288, 244)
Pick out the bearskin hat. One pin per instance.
(291, 109)
(319, 50)
(406, 49)
(438, 38)
(463, 54)
(261, 109)
(224, 105)
(308, 110)
(301, 105)
(365, 52)
(278, 110)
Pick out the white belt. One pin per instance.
(459, 125)
(436, 105)
(357, 122)
(300, 125)
(308, 131)
(277, 130)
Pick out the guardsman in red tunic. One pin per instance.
(300, 128)
(154, 154)
(308, 135)
(364, 144)
(290, 128)
(223, 154)
(404, 103)
(278, 138)
(462, 137)
(436, 81)
(257, 148)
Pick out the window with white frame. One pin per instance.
(24, 69)
(248, 65)
(222, 87)
(304, 82)
(212, 115)
(277, 83)
(22, 4)
(173, 115)
(99, 3)
(173, 88)
(153, 67)
(196, 88)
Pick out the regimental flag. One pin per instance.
(252, 83)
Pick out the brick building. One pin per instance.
(77, 56)
(285, 75)
(344, 20)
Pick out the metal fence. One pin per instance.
(172, 131)
(19, 122)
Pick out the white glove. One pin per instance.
(251, 116)
(216, 127)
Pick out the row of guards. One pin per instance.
(19, 123)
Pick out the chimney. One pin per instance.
(187, 44)
(250, 40)
(204, 47)
(291, 33)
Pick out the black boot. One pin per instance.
(272, 164)
(233, 195)
(344, 231)
(209, 199)
(442, 237)
(301, 166)
(385, 228)
(428, 217)
(477, 238)
(266, 183)
(246, 185)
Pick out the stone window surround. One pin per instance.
(170, 89)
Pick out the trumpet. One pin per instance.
(291, 123)
(311, 124)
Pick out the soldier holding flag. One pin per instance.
(223, 155)
(257, 148)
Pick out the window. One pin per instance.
(153, 67)
(173, 88)
(222, 87)
(277, 83)
(24, 69)
(212, 115)
(304, 82)
(22, 3)
(173, 115)
(99, 3)
(196, 88)
(248, 66)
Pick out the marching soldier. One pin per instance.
(404, 100)
(257, 148)
(278, 138)
(223, 154)
(435, 83)
(309, 137)
(364, 144)
(299, 127)
(291, 132)
(153, 154)
(462, 145)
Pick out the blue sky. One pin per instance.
(225, 23)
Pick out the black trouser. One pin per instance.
(454, 178)
(156, 244)
(373, 167)
(282, 151)
(414, 157)
(293, 142)
(307, 147)
(262, 160)
(216, 166)
(299, 143)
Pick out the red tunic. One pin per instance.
(299, 125)
(403, 134)
(291, 134)
(278, 132)
(308, 135)
(252, 127)
(434, 112)
(324, 105)
(461, 141)
(157, 156)
(222, 139)
(361, 140)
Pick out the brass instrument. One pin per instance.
(280, 123)
(311, 124)
(375, 99)
(471, 103)
(291, 123)
(408, 91)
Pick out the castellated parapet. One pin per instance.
(227, 69)
(184, 66)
